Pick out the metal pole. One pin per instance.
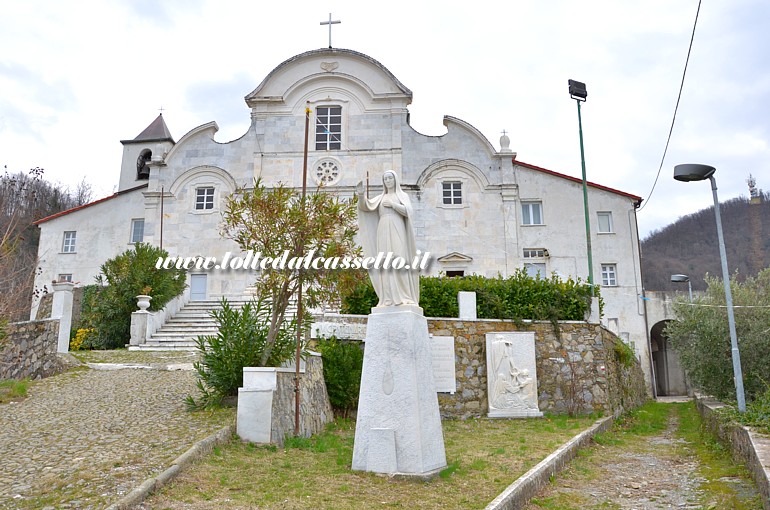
(299, 290)
(161, 217)
(736, 355)
(585, 203)
(689, 289)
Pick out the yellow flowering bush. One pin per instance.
(80, 336)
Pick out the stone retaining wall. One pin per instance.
(747, 446)
(29, 350)
(577, 368)
(46, 304)
(315, 411)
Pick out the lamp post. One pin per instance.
(681, 278)
(696, 172)
(577, 91)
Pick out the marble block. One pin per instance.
(466, 302)
(512, 375)
(398, 428)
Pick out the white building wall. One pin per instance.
(102, 230)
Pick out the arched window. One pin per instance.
(142, 169)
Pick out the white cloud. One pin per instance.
(97, 73)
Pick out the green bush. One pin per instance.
(122, 278)
(343, 362)
(624, 354)
(701, 337)
(517, 297)
(757, 413)
(240, 342)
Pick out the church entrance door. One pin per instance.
(197, 287)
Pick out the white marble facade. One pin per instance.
(477, 209)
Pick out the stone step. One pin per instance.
(182, 334)
(191, 321)
(172, 328)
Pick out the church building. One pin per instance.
(478, 209)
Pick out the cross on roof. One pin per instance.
(161, 110)
(330, 23)
(504, 132)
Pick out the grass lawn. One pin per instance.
(12, 390)
(484, 457)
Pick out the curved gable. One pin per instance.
(207, 130)
(454, 123)
(298, 75)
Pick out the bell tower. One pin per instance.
(153, 142)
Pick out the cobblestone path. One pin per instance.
(85, 438)
(651, 471)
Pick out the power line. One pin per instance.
(673, 120)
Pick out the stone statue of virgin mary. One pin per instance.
(385, 225)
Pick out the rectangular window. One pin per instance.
(534, 253)
(455, 274)
(137, 230)
(204, 198)
(66, 277)
(605, 222)
(328, 128)
(609, 275)
(533, 270)
(531, 213)
(68, 245)
(452, 192)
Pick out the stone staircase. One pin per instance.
(191, 321)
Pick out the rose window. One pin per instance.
(327, 172)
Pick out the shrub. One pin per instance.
(624, 354)
(343, 362)
(121, 280)
(240, 342)
(517, 297)
(701, 337)
(79, 341)
(757, 412)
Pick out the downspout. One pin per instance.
(653, 378)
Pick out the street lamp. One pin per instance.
(681, 278)
(695, 172)
(577, 91)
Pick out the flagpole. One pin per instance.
(299, 290)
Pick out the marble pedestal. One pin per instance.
(398, 428)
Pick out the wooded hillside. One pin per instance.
(690, 246)
(24, 199)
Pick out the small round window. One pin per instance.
(327, 172)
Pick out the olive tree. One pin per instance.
(279, 223)
(701, 337)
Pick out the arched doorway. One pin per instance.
(670, 379)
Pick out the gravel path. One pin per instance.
(85, 438)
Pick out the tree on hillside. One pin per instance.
(274, 221)
(701, 337)
(25, 198)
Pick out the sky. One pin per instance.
(78, 77)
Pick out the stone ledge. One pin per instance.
(518, 494)
(747, 446)
(150, 485)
